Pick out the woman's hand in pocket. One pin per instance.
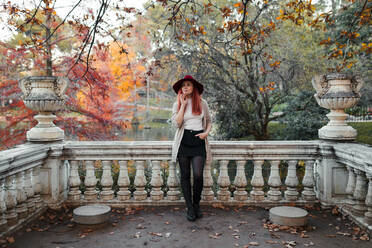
(202, 135)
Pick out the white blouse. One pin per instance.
(191, 121)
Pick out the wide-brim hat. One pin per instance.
(177, 86)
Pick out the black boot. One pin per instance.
(198, 213)
(190, 214)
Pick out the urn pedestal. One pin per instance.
(45, 95)
(337, 92)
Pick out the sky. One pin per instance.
(62, 8)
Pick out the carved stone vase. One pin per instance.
(46, 95)
(337, 92)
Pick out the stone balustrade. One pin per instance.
(121, 174)
(20, 185)
(357, 160)
(140, 173)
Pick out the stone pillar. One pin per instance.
(37, 187)
(350, 184)
(123, 182)
(106, 181)
(52, 176)
(3, 222)
(240, 182)
(156, 182)
(308, 193)
(223, 181)
(140, 181)
(173, 193)
(90, 181)
(360, 194)
(274, 194)
(21, 208)
(29, 191)
(11, 201)
(368, 214)
(331, 177)
(291, 194)
(74, 182)
(207, 193)
(257, 182)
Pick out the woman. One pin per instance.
(192, 119)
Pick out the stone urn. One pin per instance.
(44, 94)
(337, 92)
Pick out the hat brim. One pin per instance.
(177, 86)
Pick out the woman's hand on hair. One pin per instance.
(202, 135)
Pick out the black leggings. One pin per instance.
(197, 168)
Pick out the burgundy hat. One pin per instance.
(196, 84)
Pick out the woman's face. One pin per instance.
(187, 88)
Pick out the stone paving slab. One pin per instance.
(167, 227)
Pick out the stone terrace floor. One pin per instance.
(167, 227)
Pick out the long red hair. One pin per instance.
(195, 100)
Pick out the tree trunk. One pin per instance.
(49, 66)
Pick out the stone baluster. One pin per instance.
(223, 181)
(274, 194)
(123, 182)
(11, 201)
(350, 183)
(156, 182)
(106, 181)
(90, 181)
(291, 194)
(173, 193)
(74, 181)
(3, 222)
(368, 214)
(207, 193)
(360, 194)
(140, 181)
(257, 182)
(308, 193)
(21, 208)
(240, 182)
(37, 187)
(29, 191)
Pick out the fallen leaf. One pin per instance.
(215, 236)
(283, 228)
(156, 234)
(193, 230)
(364, 237)
(303, 235)
(309, 244)
(10, 240)
(167, 222)
(335, 211)
(330, 235)
(230, 227)
(139, 226)
(167, 235)
(272, 242)
(253, 243)
(337, 228)
(111, 233)
(344, 233)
